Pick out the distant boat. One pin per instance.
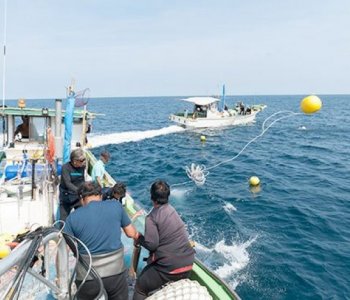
(206, 114)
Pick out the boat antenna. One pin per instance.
(3, 74)
(223, 97)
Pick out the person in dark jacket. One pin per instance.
(118, 192)
(73, 175)
(171, 253)
(23, 128)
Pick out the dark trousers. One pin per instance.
(151, 279)
(115, 286)
(65, 209)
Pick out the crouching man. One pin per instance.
(98, 225)
(171, 253)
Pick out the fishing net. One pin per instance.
(82, 98)
(184, 289)
(198, 173)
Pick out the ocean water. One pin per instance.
(291, 239)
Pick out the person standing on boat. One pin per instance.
(98, 170)
(73, 175)
(241, 108)
(23, 128)
(98, 225)
(171, 253)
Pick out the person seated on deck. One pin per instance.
(73, 175)
(23, 128)
(171, 253)
(98, 225)
(99, 170)
(116, 192)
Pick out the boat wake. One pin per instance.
(227, 260)
(131, 136)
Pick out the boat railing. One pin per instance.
(59, 285)
(131, 206)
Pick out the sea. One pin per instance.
(288, 238)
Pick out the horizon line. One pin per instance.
(180, 96)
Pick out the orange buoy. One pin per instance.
(50, 153)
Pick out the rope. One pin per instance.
(198, 173)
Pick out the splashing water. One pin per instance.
(180, 193)
(229, 208)
(236, 255)
(233, 258)
(131, 136)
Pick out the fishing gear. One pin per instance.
(88, 267)
(199, 173)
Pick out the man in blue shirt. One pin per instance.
(98, 225)
(98, 170)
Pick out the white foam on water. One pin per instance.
(229, 208)
(180, 193)
(131, 136)
(234, 258)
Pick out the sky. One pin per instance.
(171, 48)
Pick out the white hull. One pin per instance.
(19, 213)
(213, 122)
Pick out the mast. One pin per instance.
(223, 97)
(4, 73)
(4, 57)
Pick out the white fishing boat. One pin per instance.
(206, 114)
(35, 262)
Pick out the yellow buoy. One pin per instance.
(203, 138)
(254, 181)
(310, 104)
(4, 251)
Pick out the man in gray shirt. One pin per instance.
(171, 254)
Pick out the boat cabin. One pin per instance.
(31, 160)
(204, 107)
(27, 128)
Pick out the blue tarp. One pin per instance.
(68, 124)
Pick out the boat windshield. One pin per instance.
(37, 126)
